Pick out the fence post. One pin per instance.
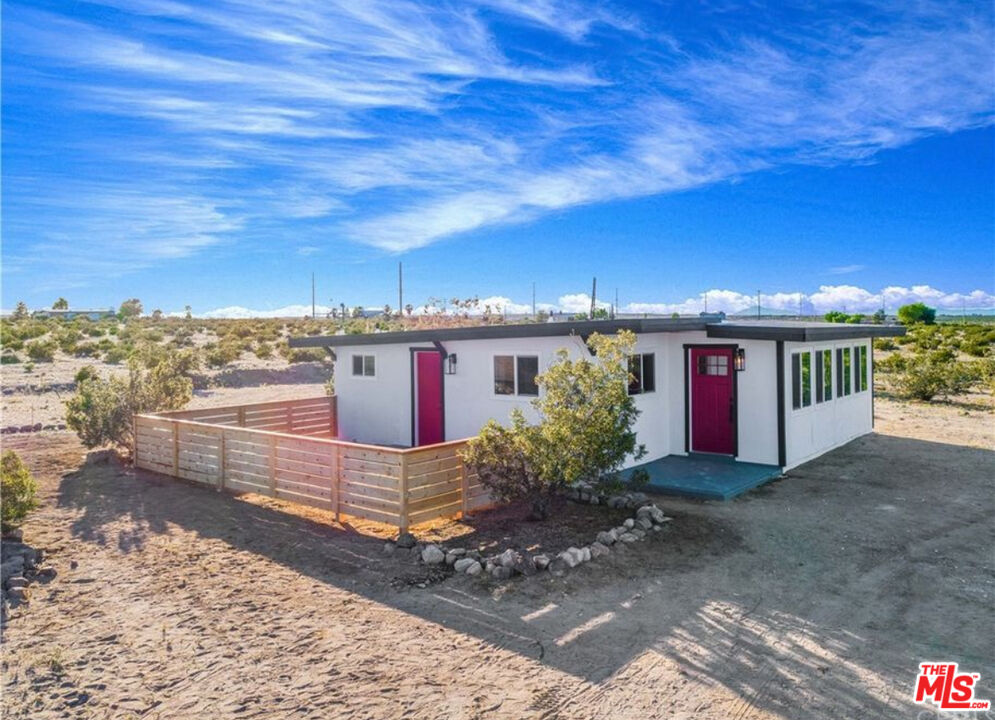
(224, 460)
(272, 466)
(241, 416)
(336, 480)
(464, 486)
(403, 490)
(176, 449)
(134, 440)
(333, 420)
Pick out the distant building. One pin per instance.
(71, 314)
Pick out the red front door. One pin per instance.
(428, 398)
(713, 409)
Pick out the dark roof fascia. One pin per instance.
(805, 333)
(581, 328)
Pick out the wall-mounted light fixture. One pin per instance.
(739, 362)
(451, 364)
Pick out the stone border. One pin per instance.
(648, 518)
(22, 565)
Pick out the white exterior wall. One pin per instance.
(814, 430)
(375, 410)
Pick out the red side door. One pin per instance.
(428, 398)
(713, 409)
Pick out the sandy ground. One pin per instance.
(814, 597)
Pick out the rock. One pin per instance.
(585, 554)
(461, 564)
(607, 537)
(629, 523)
(389, 548)
(500, 572)
(639, 498)
(46, 573)
(16, 535)
(489, 565)
(617, 532)
(13, 566)
(644, 522)
(656, 514)
(475, 569)
(405, 540)
(594, 500)
(432, 555)
(644, 510)
(508, 558)
(627, 537)
(524, 566)
(569, 558)
(18, 581)
(455, 554)
(597, 550)
(475, 554)
(540, 561)
(639, 533)
(17, 594)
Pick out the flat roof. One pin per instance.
(712, 324)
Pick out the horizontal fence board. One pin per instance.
(434, 490)
(425, 516)
(434, 477)
(372, 468)
(390, 494)
(434, 502)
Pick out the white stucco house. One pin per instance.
(771, 394)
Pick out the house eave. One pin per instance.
(823, 332)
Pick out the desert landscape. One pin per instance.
(811, 596)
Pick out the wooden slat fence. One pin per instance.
(288, 450)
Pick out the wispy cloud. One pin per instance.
(846, 269)
(404, 123)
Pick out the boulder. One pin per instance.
(638, 532)
(585, 554)
(509, 558)
(627, 537)
(13, 566)
(18, 581)
(629, 523)
(46, 573)
(644, 522)
(462, 564)
(540, 561)
(607, 537)
(455, 554)
(619, 531)
(597, 550)
(433, 555)
(405, 540)
(389, 548)
(16, 535)
(500, 572)
(474, 569)
(569, 558)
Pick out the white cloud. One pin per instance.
(846, 269)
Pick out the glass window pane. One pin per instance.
(528, 368)
(357, 364)
(847, 380)
(635, 375)
(818, 378)
(504, 375)
(369, 365)
(827, 374)
(702, 365)
(649, 372)
(796, 381)
(863, 367)
(806, 379)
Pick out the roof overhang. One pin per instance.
(582, 328)
(801, 332)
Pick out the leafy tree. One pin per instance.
(158, 379)
(878, 317)
(855, 319)
(584, 431)
(60, 304)
(21, 311)
(916, 313)
(157, 314)
(188, 312)
(17, 491)
(130, 309)
(835, 316)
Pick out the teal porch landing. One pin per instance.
(712, 477)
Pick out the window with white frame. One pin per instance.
(844, 372)
(860, 368)
(642, 373)
(364, 365)
(823, 375)
(801, 379)
(516, 375)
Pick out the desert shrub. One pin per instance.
(297, 355)
(87, 372)
(41, 350)
(95, 331)
(117, 354)
(263, 351)
(221, 354)
(924, 376)
(17, 491)
(885, 343)
(67, 339)
(9, 357)
(31, 330)
(985, 371)
(86, 349)
(584, 431)
(29, 367)
(916, 313)
(101, 410)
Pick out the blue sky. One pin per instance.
(215, 154)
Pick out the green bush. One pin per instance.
(158, 379)
(87, 372)
(86, 349)
(117, 354)
(263, 351)
(297, 355)
(9, 357)
(916, 313)
(584, 431)
(924, 376)
(17, 491)
(41, 350)
(885, 343)
(222, 354)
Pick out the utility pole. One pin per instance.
(400, 288)
(313, 313)
(594, 296)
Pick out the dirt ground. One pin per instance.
(812, 597)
